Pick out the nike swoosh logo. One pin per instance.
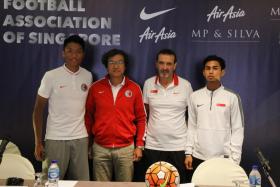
(165, 182)
(199, 105)
(146, 16)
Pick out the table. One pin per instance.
(30, 183)
(109, 184)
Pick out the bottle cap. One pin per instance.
(255, 167)
(54, 161)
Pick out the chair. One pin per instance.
(220, 172)
(14, 165)
(11, 148)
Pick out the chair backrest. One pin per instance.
(11, 148)
(14, 165)
(220, 172)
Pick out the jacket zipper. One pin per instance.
(211, 100)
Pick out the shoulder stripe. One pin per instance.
(241, 109)
(239, 104)
(231, 91)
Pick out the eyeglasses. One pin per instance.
(115, 62)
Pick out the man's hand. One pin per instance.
(37, 119)
(137, 154)
(39, 152)
(188, 162)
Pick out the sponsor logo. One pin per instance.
(154, 91)
(149, 34)
(275, 14)
(128, 93)
(62, 86)
(199, 105)
(226, 35)
(231, 13)
(244, 34)
(220, 104)
(166, 180)
(100, 92)
(84, 87)
(275, 17)
(94, 30)
(147, 16)
(275, 11)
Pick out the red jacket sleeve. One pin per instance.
(90, 109)
(140, 120)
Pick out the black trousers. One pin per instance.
(195, 163)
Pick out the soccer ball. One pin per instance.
(162, 174)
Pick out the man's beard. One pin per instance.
(165, 73)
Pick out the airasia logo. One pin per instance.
(231, 13)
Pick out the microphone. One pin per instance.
(3, 145)
(264, 162)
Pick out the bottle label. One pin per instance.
(53, 173)
(258, 181)
(255, 181)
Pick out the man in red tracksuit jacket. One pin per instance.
(115, 116)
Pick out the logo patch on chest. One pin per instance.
(128, 93)
(84, 87)
(62, 86)
(221, 104)
(154, 91)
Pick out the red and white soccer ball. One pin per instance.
(162, 174)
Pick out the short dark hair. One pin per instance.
(112, 53)
(220, 60)
(167, 52)
(76, 39)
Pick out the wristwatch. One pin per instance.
(140, 147)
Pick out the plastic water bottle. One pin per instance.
(255, 177)
(53, 174)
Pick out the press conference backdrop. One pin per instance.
(246, 33)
